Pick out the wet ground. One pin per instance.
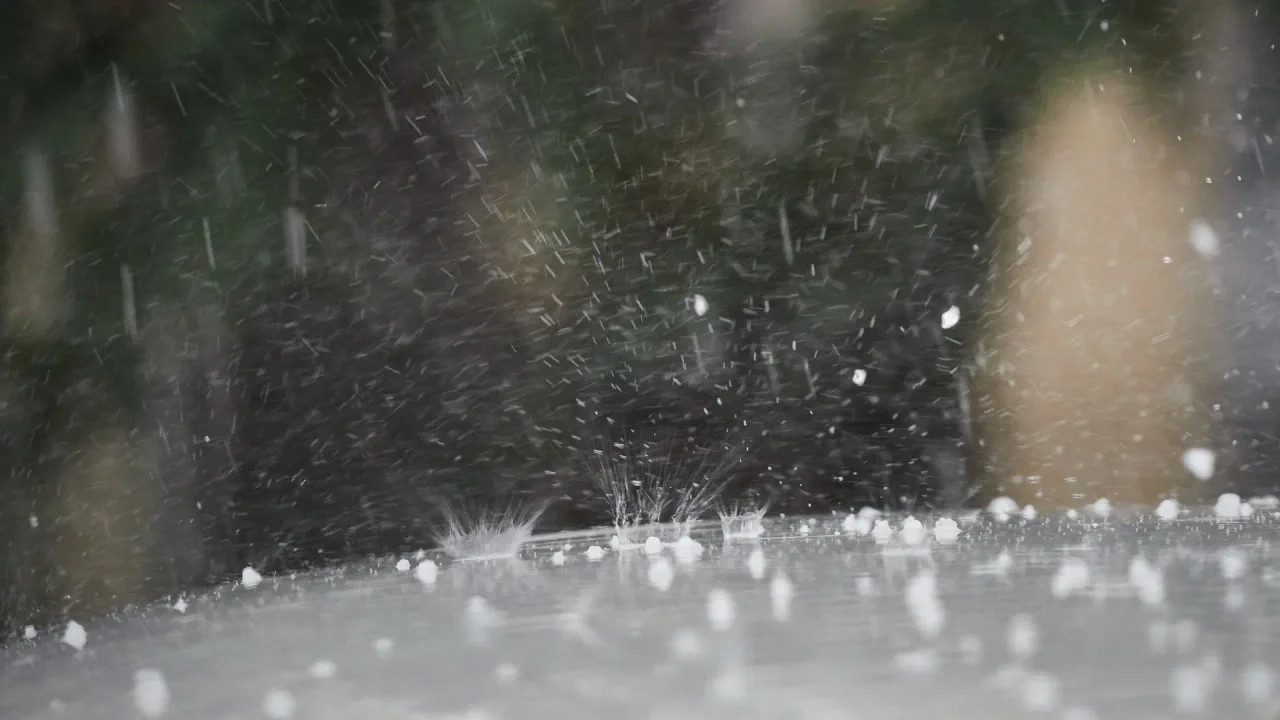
(1117, 614)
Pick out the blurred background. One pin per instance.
(277, 276)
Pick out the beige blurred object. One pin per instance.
(768, 121)
(105, 512)
(121, 123)
(1100, 314)
(35, 293)
(753, 21)
(58, 207)
(790, 21)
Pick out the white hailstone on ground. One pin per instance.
(859, 377)
(854, 525)
(1101, 508)
(1246, 510)
(781, 593)
(279, 705)
(250, 577)
(573, 620)
(946, 530)
(1072, 577)
(970, 648)
(402, 564)
(181, 605)
(865, 585)
(1168, 509)
(661, 574)
(1199, 462)
(687, 549)
(756, 564)
(1233, 598)
(861, 522)
(918, 662)
(700, 305)
(652, 545)
(1029, 512)
(557, 558)
(1007, 677)
(1147, 580)
(728, 685)
(615, 542)
(427, 572)
(687, 645)
(1233, 563)
(150, 693)
(924, 604)
(1003, 562)
(720, 610)
(1079, 712)
(1228, 506)
(33, 521)
(322, 669)
(913, 531)
(1040, 692)
(383, 646)
(1192, 687)
(1203, 239)
(74, 635)
(882, 531)
(595, 552)
(1002, 508)
(479, 619)
(1023, 637)
(950, 317)
(29, 632)
(1258, 683)
(506, 673)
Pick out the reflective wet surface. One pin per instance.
(1070, 616)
